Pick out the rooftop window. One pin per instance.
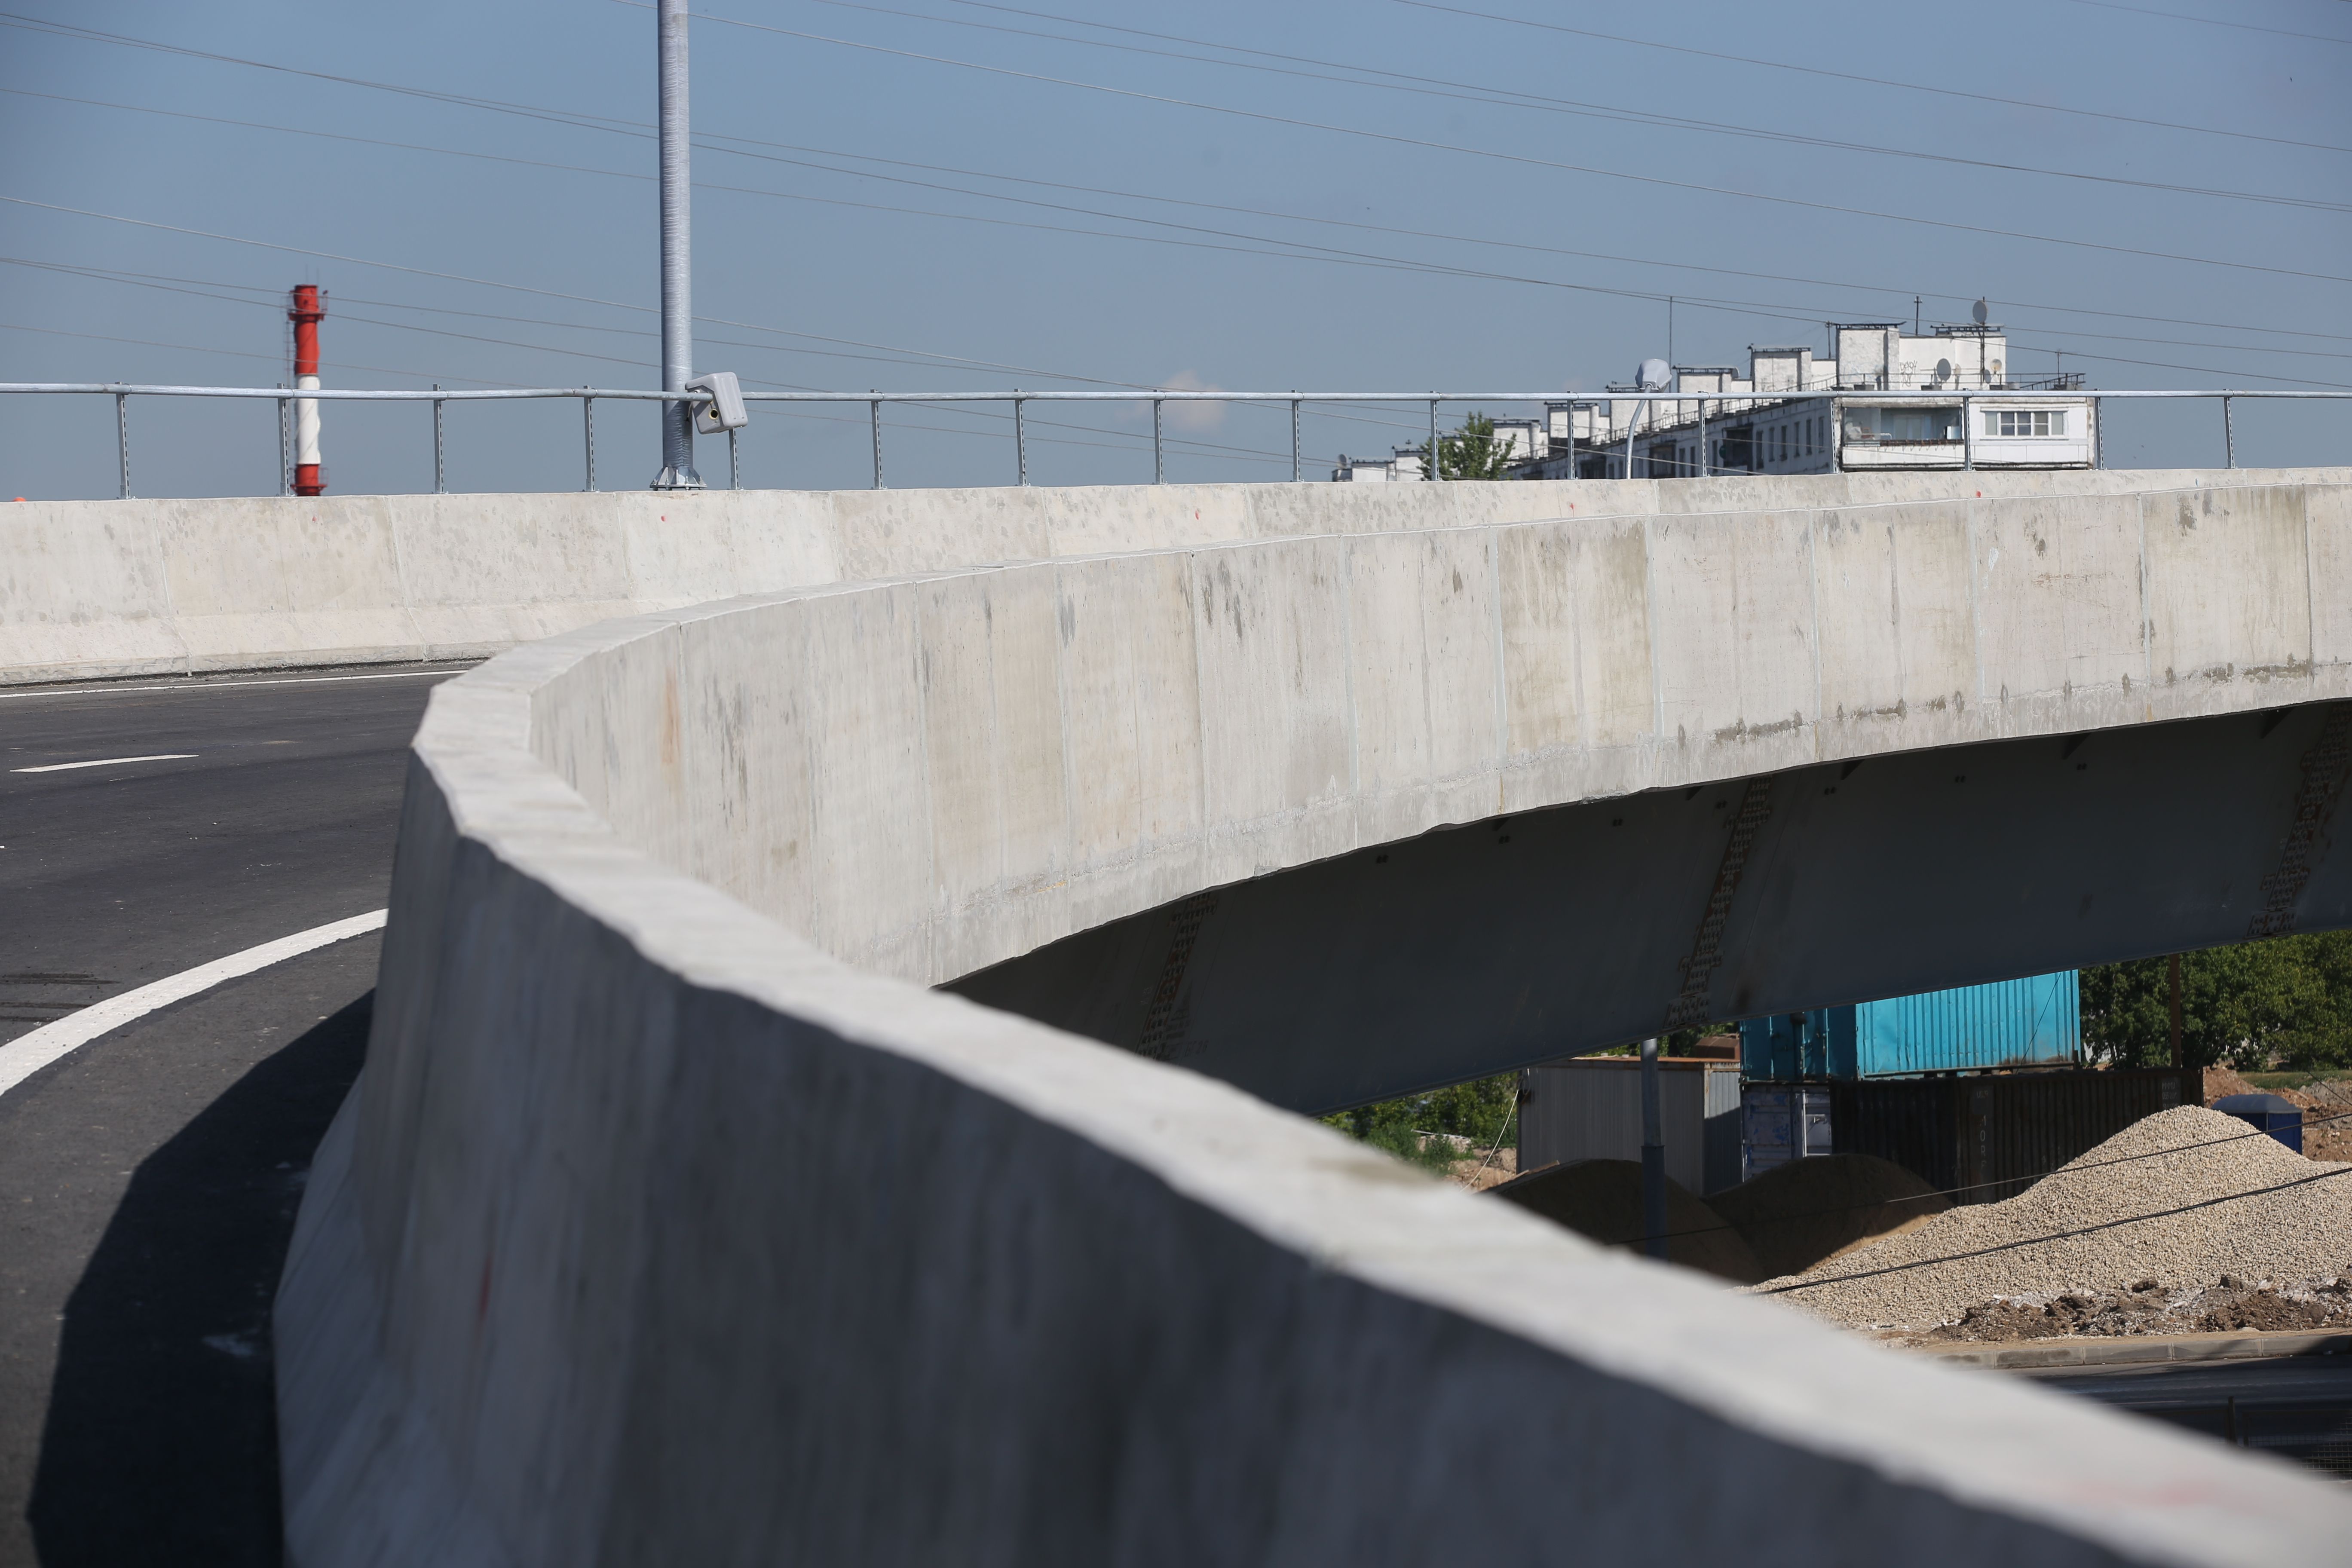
(2025, 422)
(1902, 424)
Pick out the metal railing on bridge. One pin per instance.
(1158, 398)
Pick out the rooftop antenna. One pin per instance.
(1915, 315)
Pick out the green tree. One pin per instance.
(1479, 1110)
(2282, 1003)
(1470, 453)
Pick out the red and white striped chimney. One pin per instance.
(310, 307)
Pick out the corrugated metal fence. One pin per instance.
(1984, 1138)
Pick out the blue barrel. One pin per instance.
(2273, 1113)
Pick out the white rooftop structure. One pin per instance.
(1793, 413)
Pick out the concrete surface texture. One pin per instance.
(674, 1219)
(930, 776)
(91, 589)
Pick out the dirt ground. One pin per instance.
(2149, 1309)
(1494, 1173)
(2326, 1110)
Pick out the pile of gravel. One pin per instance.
(2133, 1218)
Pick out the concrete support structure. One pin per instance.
(677, 1217)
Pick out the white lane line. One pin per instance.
(107, 763)
(197, 683)
(23, 1057)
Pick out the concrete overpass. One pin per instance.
(677, 1217)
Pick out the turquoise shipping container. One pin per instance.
(2033, 1022)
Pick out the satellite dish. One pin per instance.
(1978, 312)
(1943, 370)
(1653, 375)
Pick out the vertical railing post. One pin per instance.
(1019, 439)
(734, 462)
(1431, 472)
(2228, 435)
(1294, 439)
(440, 455)
(123, 438)
(587, 430)
(1653, 1155)
(1159, 450)
(1702, 438)
(1968, 435)
(285, 446)
(875, 408)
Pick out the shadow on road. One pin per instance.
(160, 1444)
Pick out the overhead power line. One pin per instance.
(1510, 98)
(1872, 80)
(234, 354)
(1528, 160)
(2215, 22)
(1329, 255)
(583, 121)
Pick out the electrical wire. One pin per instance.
(1510, 98)
(1528, 160)
(239, 353)
(12, 18)
(1300, 249)
(2215, 22)
(639, 130)
(1296, 249)
(273, 304)
(1870, 80)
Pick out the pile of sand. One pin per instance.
(1810, 1211)
(1601, 1199)
(2180, 1201)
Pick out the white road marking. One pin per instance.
(107, 763)
(197, 683)
(23, 1057)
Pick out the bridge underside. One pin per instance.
(1476, 949)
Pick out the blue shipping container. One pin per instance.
(2034, 1022)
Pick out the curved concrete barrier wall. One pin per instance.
(140, 588)
(665, 1228)
(930, 774)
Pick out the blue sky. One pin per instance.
(938, 195)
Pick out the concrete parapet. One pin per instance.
(675, 1220)
(926, 776)
(91, 589)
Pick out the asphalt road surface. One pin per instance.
(148, 1180)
